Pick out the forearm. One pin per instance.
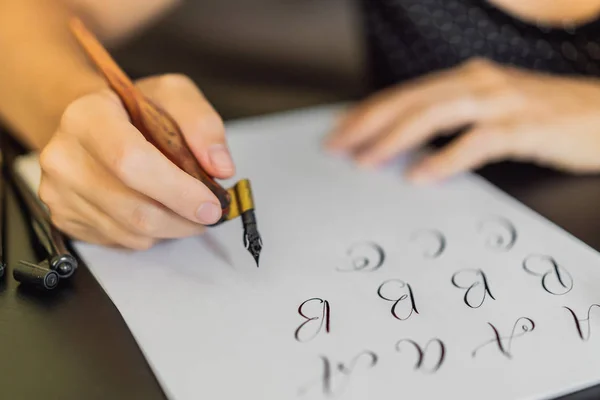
(42, 69)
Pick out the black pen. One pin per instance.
(59, 259)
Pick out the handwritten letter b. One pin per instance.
(313, 325)
(401, 294)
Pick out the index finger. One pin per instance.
(377, 114)
(482, 144)
(199, 122)
(380, 110)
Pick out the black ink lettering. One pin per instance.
(406, 293)
(584, 333)
(472, 299)
(430, 250)
(422, 353)
(367, 256)
(323, 319)
(527, 326)
(335, 377)
(556, 279)
(500, 233)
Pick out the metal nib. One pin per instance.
(256, 257)
(252, 239)
(253, 242)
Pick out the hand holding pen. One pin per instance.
(105, 183)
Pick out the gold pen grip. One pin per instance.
(241, 199)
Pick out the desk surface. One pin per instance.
(71, 344)
(75, 345)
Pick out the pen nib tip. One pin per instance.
(253, 243)
(256, 257)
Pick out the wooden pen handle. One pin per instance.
(153, 122)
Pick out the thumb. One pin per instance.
(200, 124)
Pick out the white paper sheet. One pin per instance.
(213, 326)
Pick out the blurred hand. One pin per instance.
(104, 183)
(510, 114)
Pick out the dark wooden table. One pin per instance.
(74, 344)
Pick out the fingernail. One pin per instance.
(332, 148)
(208, 213)
(335, 139)
(220, 158)
(331, 140)
(420, 176)
(364, 161)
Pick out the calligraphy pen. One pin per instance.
(160, 129)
